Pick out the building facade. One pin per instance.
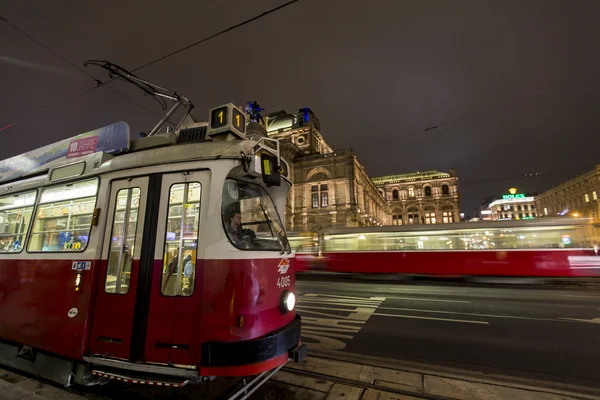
(332, 190)
(577, 197)
(513, 205)
(429, 197)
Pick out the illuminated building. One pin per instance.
(513, 205)
(429, 197)
(577, 197)
(331, 188)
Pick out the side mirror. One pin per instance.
(270, 170)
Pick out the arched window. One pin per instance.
(430, 215)
(395, 194)
(447, 213)
(427, 190)
(413, 215)
(445, 189)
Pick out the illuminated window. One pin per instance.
(181, 239)
(427, 190)
(411, 192)
(118, 273)
(587, 198)
(395, 194)
(447, 217)
(594, 195)
(430, 218)
(397, 219)
(545, 211)
(445, 189)
(15, 215)
(63, 217)
(413, 218)
(324, 200)
(319, 197)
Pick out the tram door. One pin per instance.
(119, 269)
(176, 292)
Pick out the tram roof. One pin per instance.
(112, 148)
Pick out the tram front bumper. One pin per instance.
(283, 341)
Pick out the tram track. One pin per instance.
(360, 384)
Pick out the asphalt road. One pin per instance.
(550, 333)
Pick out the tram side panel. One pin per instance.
(39, 306)
(46, 297)
(549, 263)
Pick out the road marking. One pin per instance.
(582, 297)
(557, 319)
(437, 300)
(339, 303)
(327, 285)
(325, 330)
(590, 321)
(431, 290)
(464, 321)
(362, 299)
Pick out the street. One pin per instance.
(546, 332)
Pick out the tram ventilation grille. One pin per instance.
(192, 135)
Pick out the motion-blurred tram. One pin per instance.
(546, 247)
(120, 258)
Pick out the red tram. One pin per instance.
(548, 247)
(127, 258)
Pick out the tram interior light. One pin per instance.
(77, 281)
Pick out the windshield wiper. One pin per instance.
(270, 222)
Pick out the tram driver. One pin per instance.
(240, 237)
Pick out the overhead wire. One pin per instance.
(161, 58)
(99, 83)
(500, 106)
(524, 176)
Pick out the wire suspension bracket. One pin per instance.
(160, 94)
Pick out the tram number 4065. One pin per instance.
(283, 281)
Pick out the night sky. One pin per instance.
(512, 87)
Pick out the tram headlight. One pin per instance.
(288, 301)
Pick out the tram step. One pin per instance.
(139, 380)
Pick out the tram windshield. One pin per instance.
(251, 219)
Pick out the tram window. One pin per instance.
(183, 221)
(250, 218)
(63, 219)
(122, 243)
(15, 216)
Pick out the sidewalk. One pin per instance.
(326, 378)
(19, 387)
(321, 377)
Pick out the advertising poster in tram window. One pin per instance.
(109, 139)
